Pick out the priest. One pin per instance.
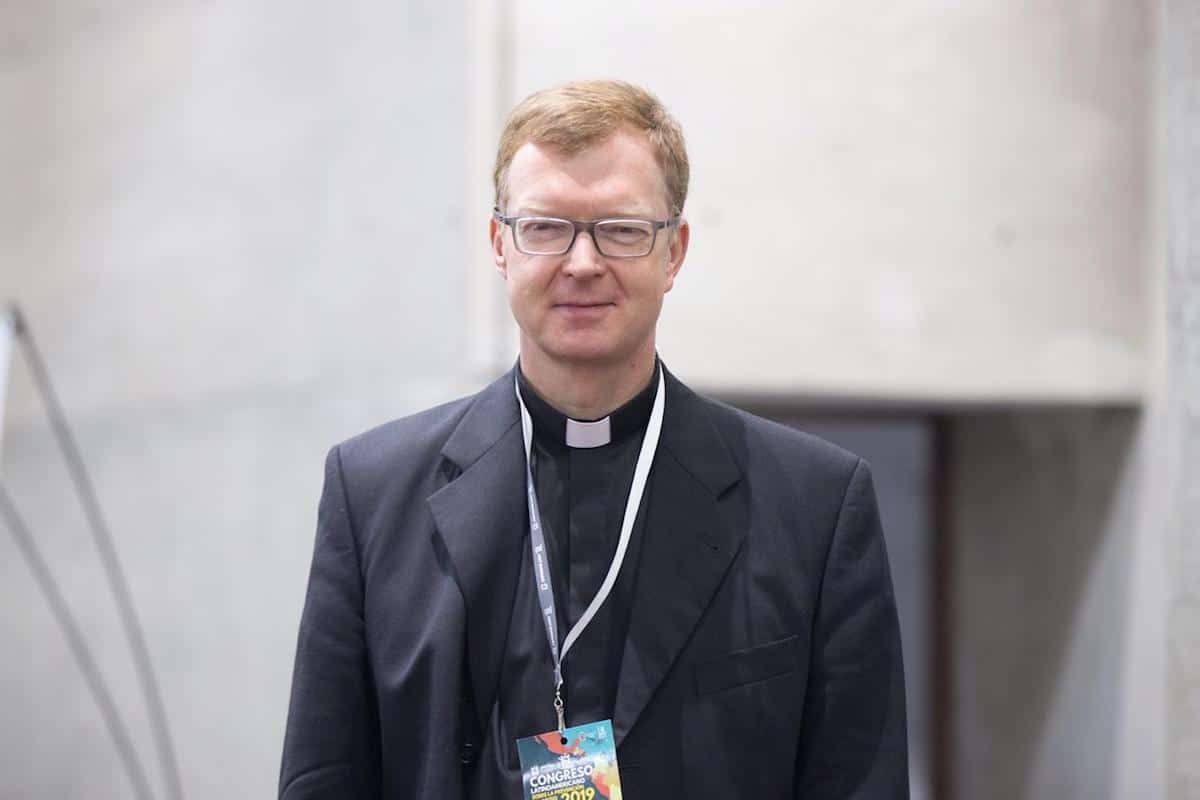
(586, 580)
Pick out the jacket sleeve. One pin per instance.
(853, 743)
(331, 746)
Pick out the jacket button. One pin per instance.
(467, 754)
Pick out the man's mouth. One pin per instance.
(583, 309)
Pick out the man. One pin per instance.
(586, 540)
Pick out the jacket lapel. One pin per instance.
(686, 549)
(480, 516)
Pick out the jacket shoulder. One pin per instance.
(409, 441)
(800, 479)
(754, 440)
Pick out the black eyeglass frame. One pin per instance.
(590, 227)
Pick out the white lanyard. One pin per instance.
(537, 540)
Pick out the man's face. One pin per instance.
(581, 307)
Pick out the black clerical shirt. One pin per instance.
(581, 495)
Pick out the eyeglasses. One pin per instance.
(614, 238)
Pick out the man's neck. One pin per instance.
(588, 391)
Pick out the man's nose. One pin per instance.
(583, 260)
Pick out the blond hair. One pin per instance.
(577, 115)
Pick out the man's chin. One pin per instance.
(584, 352)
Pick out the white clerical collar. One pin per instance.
(589, 434)
(628, 420)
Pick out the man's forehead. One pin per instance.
(619, 171)
(584, 202)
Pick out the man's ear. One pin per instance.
(496, 234)
(677, 251)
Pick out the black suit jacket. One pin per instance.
(763, 653)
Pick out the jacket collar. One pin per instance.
(491, 415)
(480, 518)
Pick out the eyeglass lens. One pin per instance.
(618, 237)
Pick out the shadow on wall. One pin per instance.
(1041, 528)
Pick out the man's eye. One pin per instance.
(543, 231)
(626, 233)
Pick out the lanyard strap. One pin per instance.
(537, 540)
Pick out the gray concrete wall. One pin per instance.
(1076, 660)
(237, 230)
(1182, 162)
(1045, 512)
(243, 231)
(921, 200)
